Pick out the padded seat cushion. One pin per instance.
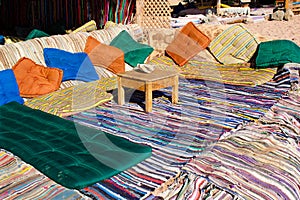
(187, 43)
(71, 154)
(135, 52)
(276, 53)
(234, 45)
(9, 90)
(35, 33)
(76, 66)
(102, 55)
(34, 79)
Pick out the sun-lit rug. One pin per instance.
(259, 160)
(20, 180)
(176, 133)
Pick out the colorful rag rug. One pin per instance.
(72, 155)
(22, 181)
(192, 186)
(235, 74)
(284, 118)
(176, 133)
(294, 69)
(74, 99)
(259, 160)
(252, 164)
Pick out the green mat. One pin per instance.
(71, 154)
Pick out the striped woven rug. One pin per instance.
(22, 181)
(257, 161)
(177, 133)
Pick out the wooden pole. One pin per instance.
(287, 4)
(139, 14)
(218, 6)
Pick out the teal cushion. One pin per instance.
(276, 53)
(9, 90)
(36, 34)
(75, 66)
(71, 154)
(134, 51)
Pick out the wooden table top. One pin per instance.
(157, 74)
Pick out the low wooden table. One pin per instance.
(147, 83)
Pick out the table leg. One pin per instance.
(175, 90)
(148, 91)
(121, 93)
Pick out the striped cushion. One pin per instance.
(72, 99)
(234, 45)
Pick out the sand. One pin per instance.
(289, 30)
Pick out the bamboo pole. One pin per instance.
(218, 6)
(287, 4)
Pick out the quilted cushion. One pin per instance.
(109, 57)
(135, 52)
(71, 154)
(34, 79)
(75, 66)
(187, 43)
(277, 53)
(234, 45)
(9, 90)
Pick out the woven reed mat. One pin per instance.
(74, 99)
(235, 74)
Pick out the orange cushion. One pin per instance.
(102, 55)
(187, 43)
(34, 79)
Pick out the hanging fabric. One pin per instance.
(41, 14)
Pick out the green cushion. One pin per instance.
(276, 53)
(134, 51)
(35, 33)
(71, 154)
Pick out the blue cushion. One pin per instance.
(2, 39)
(9, 90)
(75, 66)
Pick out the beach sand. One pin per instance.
(270, 30)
